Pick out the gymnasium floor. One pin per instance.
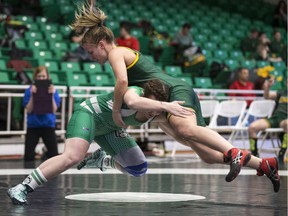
(173, 186)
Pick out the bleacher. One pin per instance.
(217, 27)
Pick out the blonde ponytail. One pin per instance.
(89, 20)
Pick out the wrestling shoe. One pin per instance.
(97, 159)
(269, 167)
(237, 158)
(19, 193)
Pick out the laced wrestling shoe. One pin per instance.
(19, 193)
(237, 158)
(269, 167)
(96, 159)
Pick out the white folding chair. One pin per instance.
(208, 108)
(258, 109)
(228, 109)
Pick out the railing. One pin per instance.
(85, 92)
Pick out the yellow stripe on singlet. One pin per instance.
(135, 60)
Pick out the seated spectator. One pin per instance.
(249, 44)
(182, 41)
(126, 39)
(276, 45)
(278, 119)
(41, 104)
(243, 83)
(78, 54)
(262, 51)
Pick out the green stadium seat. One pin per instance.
(236, 54)
(137, 33)
(144, 45)
(49, 27)
(2, 64)
(108, 69)
(207, 53)
(54, 36)
(173, 70)
(65, 31)
(33, 26)
(261, 64)
(70, 67)
(42, 54)
(66, 9)
(46, 2)
(279, 65)
(21, 44)
(58, 45)
(225, 46)
(73, 46)
(51, 65)
(215, 38)
(76, 79)
(31, 35)
(29, 72)
(250, 64)
(201, 38)
(38, 44)
(276, 86)
(25, 19)
(232, 63)
(4, 77)
(210, 46)
(100, 80)
(220, 54)
(41, 20)
(203, 82)
(54, 78)
(92, 68)
(158, 43)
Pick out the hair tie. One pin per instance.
(100, 24)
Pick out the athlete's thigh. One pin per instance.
(284, 125)
(260, 124)
(81, 125)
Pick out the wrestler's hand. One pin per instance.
(117, 118)
(176, 109)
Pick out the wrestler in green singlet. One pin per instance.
(142, 70)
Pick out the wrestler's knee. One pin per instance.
(137, 170)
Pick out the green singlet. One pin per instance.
(142, 70)
(92, 120)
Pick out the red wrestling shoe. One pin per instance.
(237, 158)
(269, 167)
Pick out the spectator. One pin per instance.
(243, 83)
(280, 15)
(182, 41)
(278, 119)
(78, 54)
(41, 125)
(277, 45)
(183, 38)
(262, 52)
(249, 44)
(126, 39)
